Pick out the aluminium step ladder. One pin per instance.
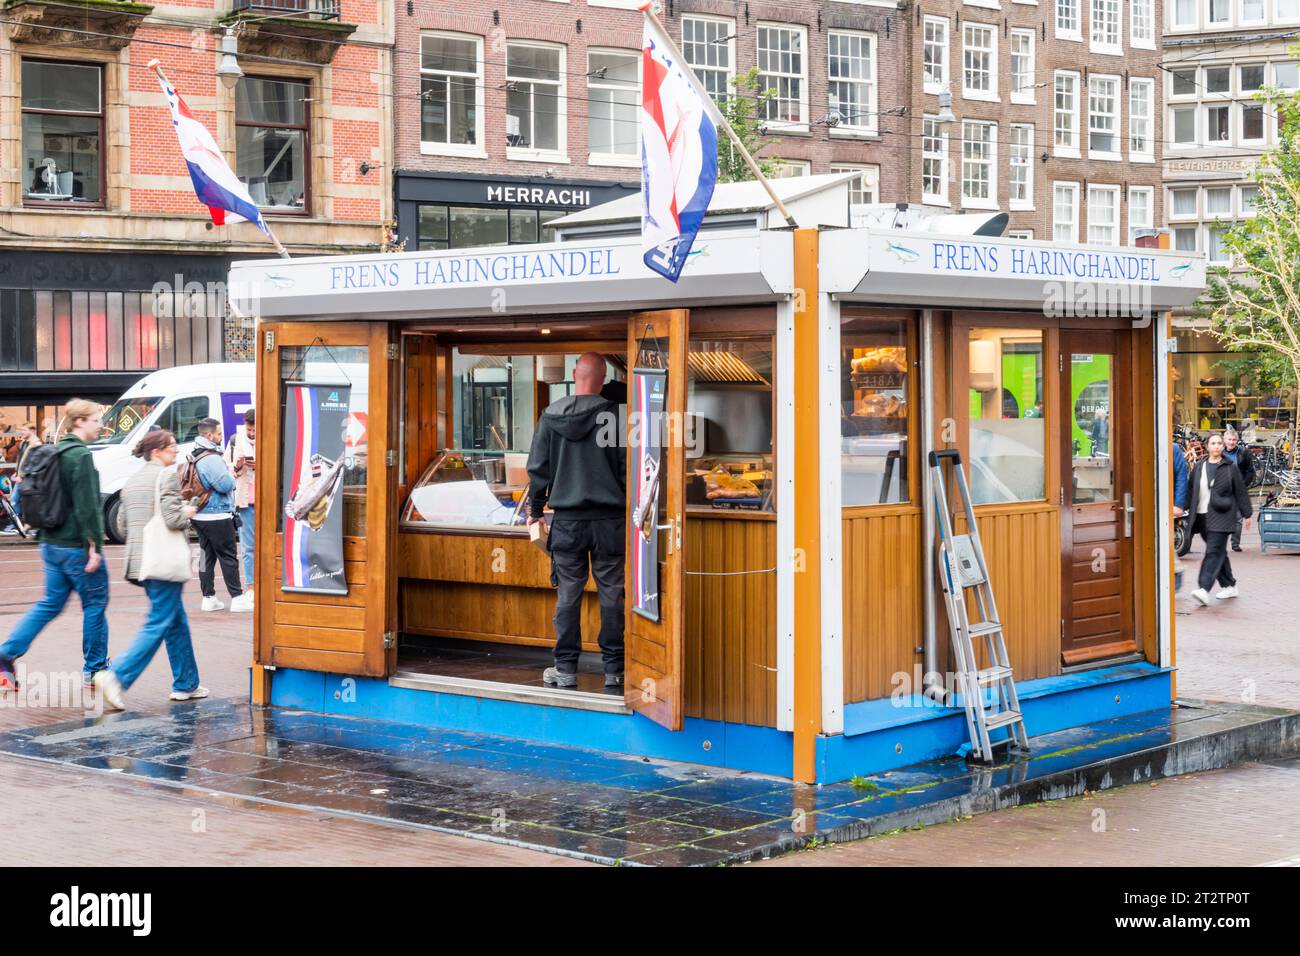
(961, 568)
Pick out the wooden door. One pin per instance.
(657, 342)
(1097, 593)
(337, 633)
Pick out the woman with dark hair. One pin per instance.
(1216, 497)
(154, 489)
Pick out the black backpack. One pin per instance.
(44, 500)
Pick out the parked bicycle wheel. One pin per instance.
(1182, 536)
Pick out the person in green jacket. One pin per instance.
(72, 555)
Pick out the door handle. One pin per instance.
(674, 529)
(1128, 514)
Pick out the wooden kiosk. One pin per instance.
(808, 372)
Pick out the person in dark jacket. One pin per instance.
(1240, 456)
(72, 554)
(578, 465)
(1216, 497)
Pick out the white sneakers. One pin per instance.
(110, 689)
(212, 603)
(197, 693)
(242, 603)
(1222, 594)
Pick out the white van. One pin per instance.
(176, 399)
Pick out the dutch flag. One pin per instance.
(679, 155)
(214, 181)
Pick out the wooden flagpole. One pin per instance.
(284, 253)
(647, 9)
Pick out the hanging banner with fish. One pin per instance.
(649, 388)
(316, 424)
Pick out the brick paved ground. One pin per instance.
(55, 815)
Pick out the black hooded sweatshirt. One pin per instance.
(577, 461)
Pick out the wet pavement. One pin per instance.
(596, 806)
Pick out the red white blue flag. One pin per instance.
(679, 155)
(215, 183)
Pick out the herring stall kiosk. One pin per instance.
(809, 371)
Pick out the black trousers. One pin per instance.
(217, 542)
(1236, 533)
(575, 546)
(1215, 566)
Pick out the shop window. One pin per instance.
(451, 80)
(782, 67)
(271, 142)
(470, 226)
(344, 366)
(534, 97)
(432, 227)
(851, 79)
(708, 43)
(1007, 432)
(459, 227)
(613, 104)
(63, 133)
(729, 424)
(874, 403)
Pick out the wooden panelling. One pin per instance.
(730, 652)
(1022, 548)
(882, 600)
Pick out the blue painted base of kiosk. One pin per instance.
(878, 735)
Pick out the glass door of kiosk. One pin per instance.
(656, 463)
(325, 498)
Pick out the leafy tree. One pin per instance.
(1256, 306)
(745, 110)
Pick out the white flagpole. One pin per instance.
(284, 253)
(647, 9)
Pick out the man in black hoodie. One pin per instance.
(579, 465)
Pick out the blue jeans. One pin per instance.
(168, 624)
(65, 572)
(246, 542)
(15, 488)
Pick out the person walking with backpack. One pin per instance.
(31, 439)
(157, 559)
(205, 477)
(61, 499)
(241, 457)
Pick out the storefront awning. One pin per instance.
(922, 269)
(751, 266)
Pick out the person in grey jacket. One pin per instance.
(166, 622)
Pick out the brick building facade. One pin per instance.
(1057, 115)
(109, 265)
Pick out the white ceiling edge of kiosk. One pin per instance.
(751, 265)
(917, 268)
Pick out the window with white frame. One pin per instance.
(709, 45)
(1252, 12)
(1065, 212)
(979, 61)
(1103, 117)
(1020, 233)
(1103, 215)
(851, 79)
(1248, 197)
(934, 161)
(864, 188)
(613, 105)
(1218, 202)
(1065, 113)
(1182, 126)
(451, 93)
(1182, 203)
(1218, 12)
(1286, 11)
(934, 54)
(1286, 76)
(1218, 80)
(1185, 238)
(1022, 66)
(1216, 246)
(782, 66)
(791, 169)
(535, 99)
(1067, 20)
(979, 186)
(1020, 177)
(1141, 113)
(1182, 14)
(1142, 23)
(1250, 78)
(1252, 123)
(1182, 83)
(1141, 210)
(1218, 123)
(1105, 20)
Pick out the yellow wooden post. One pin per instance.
(807, 511)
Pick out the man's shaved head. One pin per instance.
(589, 373)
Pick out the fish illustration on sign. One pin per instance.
(1177, 272)
(279, 281)
(902, 253)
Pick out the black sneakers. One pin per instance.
(614, 680)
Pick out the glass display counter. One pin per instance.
(469, 490)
